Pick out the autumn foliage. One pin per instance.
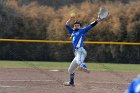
(25, 19)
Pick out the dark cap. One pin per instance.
(77, 22)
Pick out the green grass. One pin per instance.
(64, 65)
(115, 67)
(33, 64)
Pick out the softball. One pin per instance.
(72, 14)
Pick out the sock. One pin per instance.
(72, 78)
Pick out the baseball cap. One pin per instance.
(77, 22)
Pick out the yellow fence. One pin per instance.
(60, 41)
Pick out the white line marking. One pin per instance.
(5, 86)
(99, 82)
(54, 70)
(105, 89)
(27, 80)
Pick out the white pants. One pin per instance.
(80, 55)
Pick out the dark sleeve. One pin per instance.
(90, 26)
(94, 23)
(69, 29)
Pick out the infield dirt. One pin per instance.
(46, 81)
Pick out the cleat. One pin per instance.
(68, 84)
(83, 67)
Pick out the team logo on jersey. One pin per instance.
(75, 34)
(137, 90)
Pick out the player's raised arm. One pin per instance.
(69, 21)
(92, 24)
(95, 22)
(68, 25)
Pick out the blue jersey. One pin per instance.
(134, 86)
(78, 36)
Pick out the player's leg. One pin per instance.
(71, 71)
(80, 57)
(73, 66)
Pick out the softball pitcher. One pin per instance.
(78, 36)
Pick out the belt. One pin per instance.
(78, 48)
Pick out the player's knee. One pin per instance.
(70, 71)
(79, 62)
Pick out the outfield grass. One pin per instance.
(64, 65)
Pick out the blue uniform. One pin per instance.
(78, 36)
(80, 53)
(134, 86)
